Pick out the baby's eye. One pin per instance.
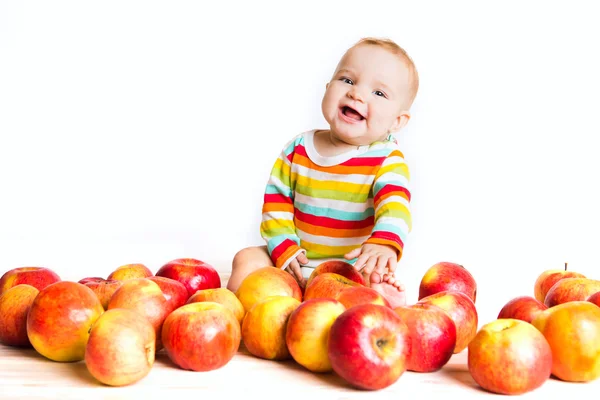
(379, 93)
(347, 80)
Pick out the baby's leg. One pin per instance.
(246, 261)
(390, 287)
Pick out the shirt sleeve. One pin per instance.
(391, 201)
(277, 226)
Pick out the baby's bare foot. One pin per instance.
(373, 278)
(391, 289)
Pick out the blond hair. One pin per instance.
(394, 48)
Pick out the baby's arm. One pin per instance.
(393, 222)
(277, 227)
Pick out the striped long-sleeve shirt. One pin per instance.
(328, 206)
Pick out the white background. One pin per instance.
(145, 131)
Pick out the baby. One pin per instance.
(342, 193)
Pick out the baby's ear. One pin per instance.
(400, 121)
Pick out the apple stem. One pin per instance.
(565, 266)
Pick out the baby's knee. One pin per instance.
(241, 257)
(251, 257)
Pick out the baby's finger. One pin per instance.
(370, 265)
(392, 263)
(353, 254)
(360, 263)
(298, 273)
(302, 258)
(382, 262)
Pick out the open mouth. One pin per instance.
(352, 114)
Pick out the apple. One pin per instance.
(548, 278)
(307, 332)
(194, 274)
(572, 330)
(328, 284)
(14, 306)
(369, 346)
(174, 291)
(38, 277)
(264, 327)
(337, 267)
(571, 289)
(595, 299)
(265, 282)
(60, 318)
(433, 336)
(104, 288)
(462, 310)
(83, 281)
(201, 336)
(355, 295)
(223, 296)
(509, 356)
(523, 308)
(144, 297)
(130, 271)
(447, 276)
(121, 347)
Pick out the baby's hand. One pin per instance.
(294, 268)
(374, 257)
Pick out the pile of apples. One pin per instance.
(555, 332)
(116, 325)
(335, 324)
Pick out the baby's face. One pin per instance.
(363, 101)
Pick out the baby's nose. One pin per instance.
(355, 94)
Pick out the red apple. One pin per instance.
(509, 356)
(103, 288)
(83, 281)
(571, 289)
(144, 297)
(307, 332)
(130, 271)
(339, 267)
(121, 347)
(60, 318)
(369, 346)
(14, 306)
(447, 276)
(355, 295)
(433, 336)
(194, 274)
(223, 296)
(572, 330)
(38, 277)
(523, 308)
(327, 284)
(462, 311)
(174, 291)
(201, 336)
(595, 299)
(548, 278)
(266, 282)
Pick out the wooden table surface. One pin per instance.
(25, 374)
